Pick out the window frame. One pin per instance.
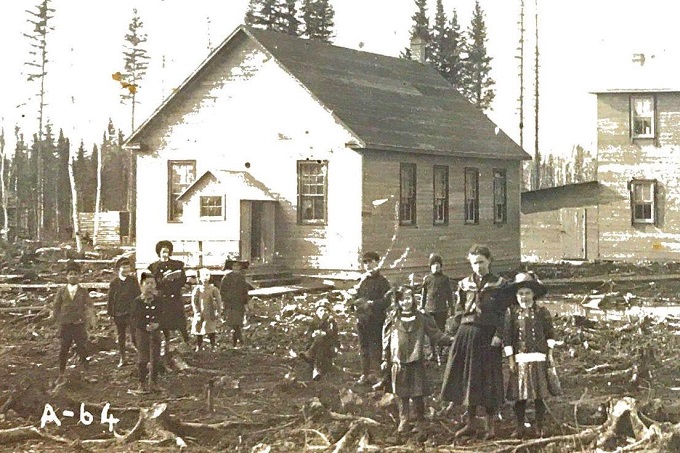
(475, 207)
(172, 216)
(437, 221)
(220, 216)
(503, 176)
(634, 116)
(413, 218)
(302, 197)
(652, 202)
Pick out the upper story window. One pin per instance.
(181, 174)
(472, 195)
(212, 206)
(642, 116)
(312, 192)
(407, 194)
(500, 199)
(440, 182)
(643, 201)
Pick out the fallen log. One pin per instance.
(24, 433)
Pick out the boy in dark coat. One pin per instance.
(74, 312)
(322, 338)
(146, 314)
(437, 300)
(371, 305)
(234, 293)
(122, 291)
(170, 278)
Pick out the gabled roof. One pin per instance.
(387, 103)
(240, 183)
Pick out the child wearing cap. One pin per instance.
(322, 339)
(403, 354)
(437, 297)
(529, 338)
(123, 290)
(370, 305)
(74, 312)
(206, 302)
(146, 314)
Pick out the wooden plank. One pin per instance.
(21, 286)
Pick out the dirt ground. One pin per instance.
(263, 398)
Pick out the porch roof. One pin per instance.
(240, 183)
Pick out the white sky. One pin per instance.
(585, 44)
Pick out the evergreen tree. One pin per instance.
(136, 62)
(268, 15)
(40, 23)
(115, 169)
(291, 23)
(63, 188)
(451, 50)
(421, 29)
(318, 17)
(476, 75)
(48, 149)
(84, 180)
(438, 36)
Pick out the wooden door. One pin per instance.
(268, 231)
(245, 245)
(573, 235)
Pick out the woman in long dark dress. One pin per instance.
(474, 375)
(170, 278)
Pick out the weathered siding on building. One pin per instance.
(621, 160)
(407, 248)
(560, 223)
(108, 231)
(238, 118)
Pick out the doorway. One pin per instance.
(258, 231)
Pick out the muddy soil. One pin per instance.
(272, 404)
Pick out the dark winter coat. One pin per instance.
(170, 291)
(437, 293)
(121, 295)
(481, 302)
(404, 337)
(374, 288)
(144, 312)
(234, 292)
(528, 330)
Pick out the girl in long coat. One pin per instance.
(206, 302)
(528, 337)
(170, 278)
(234, 292)
(403, 354)
(474, 375)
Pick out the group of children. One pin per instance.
(478, 320)
(149, 307)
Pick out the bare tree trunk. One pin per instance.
(98, 198)
(537, 156)
(521, 74)
(74, 202)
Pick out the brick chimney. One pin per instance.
(418, 49)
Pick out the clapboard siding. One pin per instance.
(108, 231)
(238, 118)
(408, 247)
(621, 160)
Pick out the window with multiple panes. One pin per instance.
(181, 174)
(212, 206)
(642, 116)
(312, 192)
(472, 195)
(407, 194)
(643, 201)
(500, 199)
(440, 182)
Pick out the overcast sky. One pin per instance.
(584, 45)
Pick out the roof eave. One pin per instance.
(440, 152)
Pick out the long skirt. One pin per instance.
(474, 373)
(173, 316)
(529, 382)
(410, 380)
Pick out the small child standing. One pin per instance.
(528, 338)
(403, 350)
(437, 293)
(74, 312)
(234, 292)
(122, 292)
(322, 338)
(206, 301)
(146, 315)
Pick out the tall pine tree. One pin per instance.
(291, 22)
(476, 75)
(438, 35)
(451, 49)
(276, 15)
(135, 64)
(319, 19)
(420, 29)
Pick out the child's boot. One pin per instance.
(403, 415)
(519, 432)
(540, 417)
(419, 414)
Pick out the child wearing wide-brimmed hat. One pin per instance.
(528, 337)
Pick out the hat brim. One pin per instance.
(539, 289)
(229, 264)
(162, 244)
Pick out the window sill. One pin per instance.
(212, 219)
